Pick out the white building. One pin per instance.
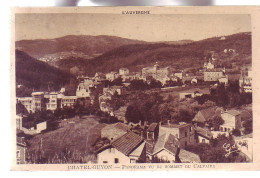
(245, 82)
(123, 71)
(129, 148)
(68, 101)
(112, 76)
(232, 120)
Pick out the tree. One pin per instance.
(133, 114)
(216, 122)
(248, 125)
(236, 132)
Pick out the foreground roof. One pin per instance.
(188, 157)
(168, 142)
(127, 143)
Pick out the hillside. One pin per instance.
(187, 56)
(34, 74)
(72, 46)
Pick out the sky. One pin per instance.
(171, 27)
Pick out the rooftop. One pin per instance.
(186, 157)
(127, 143)
(168, 142)
(152, 127)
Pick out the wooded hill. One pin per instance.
(179, 56)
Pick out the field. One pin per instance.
(70, 143)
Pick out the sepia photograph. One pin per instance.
(132, 87)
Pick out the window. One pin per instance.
(203, 140)
(104, 162)
(116, 160)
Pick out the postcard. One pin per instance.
(135, 88)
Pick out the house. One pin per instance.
(166, 148)
(37, 101)
(223, 80)
(83, 90)
(178, 74)
(184, 132)
(52, 103)
(152, 132)
(112, 76)
(20, 150)
(232, 120)
(68, 101)
(99, 76)
(192, 93)
(203, 135)
(129, 148)
(245, 82)
(26, 102)
(205, 115)
(194, 80)
(114, 131)
(213, 74)
(119, 89)
(155, 72)
(123, 71)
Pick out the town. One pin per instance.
(156, 115)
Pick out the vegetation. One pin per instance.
(215, 151)
(36, 75)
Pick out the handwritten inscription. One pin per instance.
(230, 149)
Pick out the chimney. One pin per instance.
(142, 134)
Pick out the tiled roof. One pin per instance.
(152, 127)
(207, 114)
(188, 157)
(233, 112)
(203, 132)
(127, 143)
(168, 142)
(121, 126)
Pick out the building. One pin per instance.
(209, 65)
(232, 120)
(112, 76)
(203, 135)
(184, 132)
(152, 132)
(223, 80)
(192, 93)
(213, 74)
(38, 101)
(203, 116)
(129, 148)
(52, 103)
(155, 72)
(68, 101)
(27, 102)
(83, 90)
(179, 75)
(20, 150)
(113, 89)
(123, 71)
(166, 149)
(245, 82)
